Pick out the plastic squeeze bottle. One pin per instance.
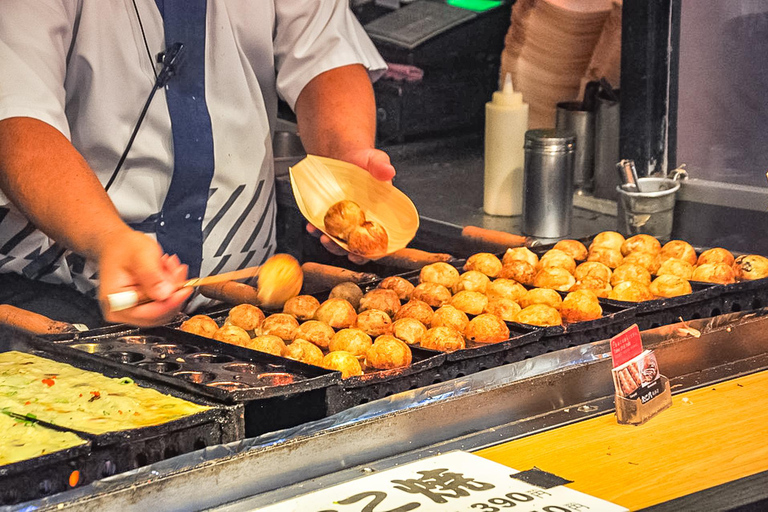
(506, 121)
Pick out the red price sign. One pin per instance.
(626, 345)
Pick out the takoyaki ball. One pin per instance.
(381, 298)
(720, 273)
(268, 343)
(541, 296)
(520, 254)
(519, 270)
(716, 255)
(247, 316)
(439, 273)
(388, 352)
(505, 288)
(611, 258)
(417, 309)
(280, 324)
(301, 307)
(471, 303)
(648, 260)
(678, 249)
(580, 306)
(749, 267)
(316, 332)
(444, 339)
(432, 293)
(402, 287)
(675, 267)
(354, 341)
(472, 281)
(557, 258)
(608, 239)
(668, 285)
(368, 239)
(486, 328)
(348, 291)
(630, 272)
(556, 278)
(304, 351)
(539, 314)
(640, 243)
(374, 322)
(502, 307)
(202, 325)
(630, 291)
(597, 286)
(342, 217)
(450, 316)
(409, 330)
(484, 262)
(343, 362)
(233, 335)
(572, 248)
(593, 269)
(338, 313)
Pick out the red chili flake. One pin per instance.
(119, 412)
(80, 395)
(48, 382)
(27, 402)
(96, 393)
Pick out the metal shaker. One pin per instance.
(548, 183)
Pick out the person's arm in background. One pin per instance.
(336, 114)
(49, 181)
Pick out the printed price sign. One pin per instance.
(626, 345)
(452, 482)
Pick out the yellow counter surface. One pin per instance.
(710, 436)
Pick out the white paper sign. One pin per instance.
(452, 482)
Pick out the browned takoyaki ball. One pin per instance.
(368, 239)
(650, 261)
(716, 255)
(557, 258)
(381, 298)
(343, 362)
(580, 306)
(640, 243)
(668, 285)
(508, 288)
(630, 272)
(572, 248)
(750, 267)
(338, 313)
(402, 287)
(409, 330)
(439, 273)
(608, 239)
(597, 286)
(630, 291)
(472, 303)
(539, 314)
(609, 257)
(301, 307)
(444, 339)
(432, 293)
(342, 217)
(348, 291)
(316, 332)
(541, 296)
(388, 352)
(679, 249)
(374, 322)
(502, 307)
(675, 267)
(417, 309)
(720, 273)
(556, 278)
(450, 316)
(486, 328)
(247, 316)
(281, 325)
(202, 325)
(354, 341)
(268, 343)
(520, 253)
(484, 262)
(593, 269)
(233, 335)
(520, 271)
(472, 281)
(304, 351)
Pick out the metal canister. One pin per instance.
(548, 183)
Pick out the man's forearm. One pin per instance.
(50, 182)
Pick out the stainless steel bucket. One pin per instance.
(650, 211)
